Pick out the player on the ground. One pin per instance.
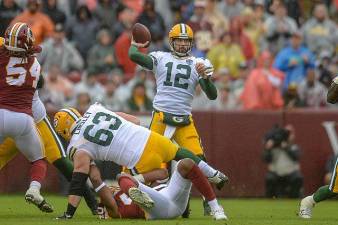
(20, 73)
(327, 191)
(104, 135)
(177, 75)
(135, 198)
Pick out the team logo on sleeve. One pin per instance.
(189, 61)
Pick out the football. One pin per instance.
(141, 34)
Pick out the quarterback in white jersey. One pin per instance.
(177, 74)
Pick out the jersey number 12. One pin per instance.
(178, 76)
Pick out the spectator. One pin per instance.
(82, 29)
(51, 9)
(231, 8)
(262, 88)
(226, 100)
(311, 91)
(102, 54)
(326, 72)
(153, 20)
(90, 85)
(217, 20)
(294, 60)
(291, 97)
(292, 7)
(83, 101)
(8, 10)
(202, 29)
(253, 28)
(320, 33)
(283, 178)
(109, 99)
(59, 51)
(105, 12)
(279, 28)
(42, 26)
(139, 101)
(226, 54)
(57, 83)
(141, 76)
(239, 37)
(126, 19)
(121, 46)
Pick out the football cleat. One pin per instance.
(306, 206)
(65, 216)
(218, 214)
(219, 179)
(33, 196)
(140, 198)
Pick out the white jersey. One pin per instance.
(176, 80)
(39, 110)
(106, 136)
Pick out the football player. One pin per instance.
(105, 135)
(54, 151)
(177, 75)
(327, 191)
(136, 200)
(20, 73)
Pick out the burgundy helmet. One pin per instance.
(19, 38)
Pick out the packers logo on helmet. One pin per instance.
(181, 39)
(65, 121)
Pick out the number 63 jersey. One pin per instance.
(176, 80)
(106, 136)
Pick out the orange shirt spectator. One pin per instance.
(122, 45)
(41, 25)
(262, 89)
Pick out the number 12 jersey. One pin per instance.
(176, 80)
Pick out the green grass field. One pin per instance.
(14, 210)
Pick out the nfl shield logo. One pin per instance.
(189, 61)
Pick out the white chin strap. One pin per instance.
(14, 49)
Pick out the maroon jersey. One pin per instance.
(127, 208)
(18, 80)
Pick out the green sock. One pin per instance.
(65, 166)
(183, 153)
(323, 193)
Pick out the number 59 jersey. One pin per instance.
(176, 80)
(18, 80)
(106, 136)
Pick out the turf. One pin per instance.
(13, 211)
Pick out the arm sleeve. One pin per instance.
(209, 88)
(140, 58)
(267, 156)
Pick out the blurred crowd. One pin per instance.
(267, 54)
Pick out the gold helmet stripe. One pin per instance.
(13, 39)
(71, 113)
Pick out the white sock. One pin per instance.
(207, 170)
(312, 200)
(35, 184)
(213, 204)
